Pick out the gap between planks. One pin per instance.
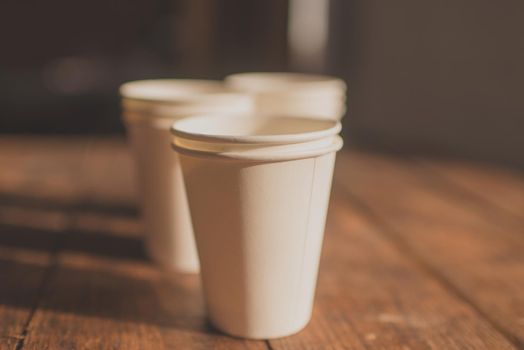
(50, 269)
(54, 255)
(390, 234)
(385, 230)
(69, 228)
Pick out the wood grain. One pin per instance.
(108, 303)
(25, 259)
(63, 172)
(44, 170)
(410, 261)
(104, 294)
(501, 189)
(371, 296)
(477, 256)
(7, 342)
(22, 272)
(108, 174)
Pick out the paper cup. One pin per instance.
(258, 190)
(293, 94)
(264, 81)
(149, 109)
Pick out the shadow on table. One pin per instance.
(87, 242)
(66, 206)
(123, 286)
(121, 294)
(90, 228)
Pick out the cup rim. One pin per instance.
(249, 156)
(274, 81)
(171, 91)
(182, 128)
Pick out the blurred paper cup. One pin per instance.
(293, 94)
(258, 189)
(149, 109)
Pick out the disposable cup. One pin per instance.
(258, 189)
(270, 81)
(149, 109)
(293, 94)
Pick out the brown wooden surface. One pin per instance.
(497, 189)
(463, 243)
(418, 254)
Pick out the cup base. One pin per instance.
(261, 335)
(170, 265)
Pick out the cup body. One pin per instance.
(168, 239)
(258, 213)
(149, 109)
(293, 94)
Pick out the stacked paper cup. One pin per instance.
(258, 189)
(293, 94)
(149, 109)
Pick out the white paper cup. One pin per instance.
(266, 81)
(293, 94)
(149, 109)
(258, 190)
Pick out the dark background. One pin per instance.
(425, 77)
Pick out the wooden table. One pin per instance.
(418, 254)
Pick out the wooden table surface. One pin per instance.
(418, 254)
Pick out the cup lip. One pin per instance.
(175, 90)
(247, 156)
(285, 80)
(333, 127)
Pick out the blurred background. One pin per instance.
(438, 78)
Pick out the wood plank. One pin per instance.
(107, 235)
(475, 254)
(61, 172)
(103, 293)
(7, 342)
(21, 275)
(500, 186)
(41, 168)
(109, 174)
(370, 296)
(108, 300)
(28, 236)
